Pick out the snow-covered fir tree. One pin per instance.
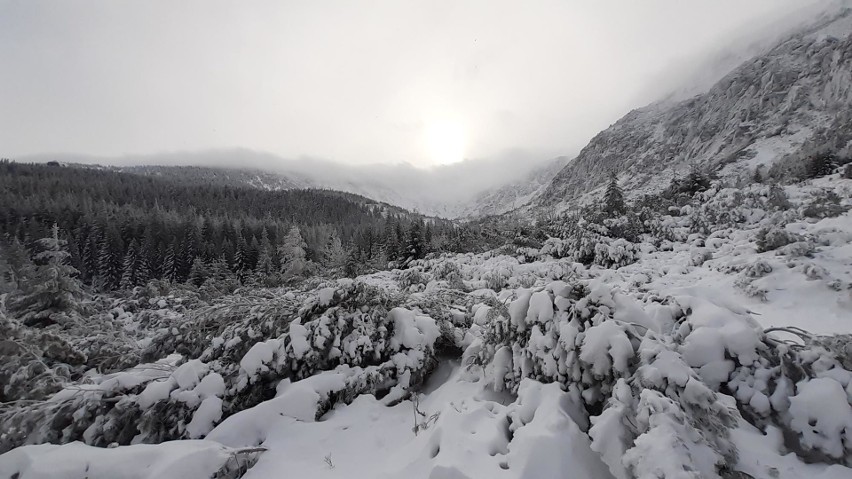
(51, 292)
(242, 259)
(15, 264)
(334, 255)
(613, 201)
(169, 268)
(131, 261)
(199, 272)
(293, 255)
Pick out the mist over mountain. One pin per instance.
(769, 113)
(449, 190)
(472, 187)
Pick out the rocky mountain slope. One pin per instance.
(774, 109)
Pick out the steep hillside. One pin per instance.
(773, 109)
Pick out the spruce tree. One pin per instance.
(16, 263)
(218, 269)
(90, 255)
(614, 198)
(253, 252)
(52, 292)
(354, 264)
(427, 238)
(293, 255)
(241, 265)
(199, 272)
(379, 260)
(820, 165)
(415, 247)
(696, 182)
(265, 261)
(128, 274)
(390, 245)
(169, 268)
(334, 255)
(399, 252)
(187, 253)
(110, 260)
(148, 260)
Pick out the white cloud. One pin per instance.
(352, 82)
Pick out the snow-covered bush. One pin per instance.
(449, 271)
(652, 388)
(748, 280)
(773, 237)
(823, 203)
(246, 347)
(615, 254)
(607, 242)
(412, 278)
(570, 334)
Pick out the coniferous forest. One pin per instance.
(122, 230)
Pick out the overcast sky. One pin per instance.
(358, 82)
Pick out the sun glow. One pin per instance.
(445, 142)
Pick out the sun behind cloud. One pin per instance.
(445, 141)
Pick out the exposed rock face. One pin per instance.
(773, 109)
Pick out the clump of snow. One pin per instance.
(169, 460)
(821, 414)
(606, 347)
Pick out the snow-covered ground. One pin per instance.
(655, 366)
(475, 433)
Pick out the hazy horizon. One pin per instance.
(418, 83)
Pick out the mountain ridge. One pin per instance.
(772, 108)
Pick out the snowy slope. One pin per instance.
(780, 106)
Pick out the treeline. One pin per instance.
(123, 230)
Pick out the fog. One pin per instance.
(387, 82)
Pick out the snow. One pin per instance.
(255, 359)
(759, 457)
(209, 412)
(169, 460)
(212, 385)
(540, 308)
(518, 309)
(299, 339)
(325, 295)
(606, 347)
(368, 439)
(644, 369)
(155, 391)
(298, 401)
(413, 331)
(189, 373)
(822, 415)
